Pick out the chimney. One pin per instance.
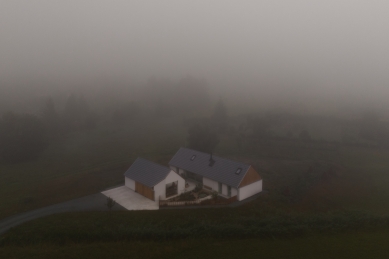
(211, 161)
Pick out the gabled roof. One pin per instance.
(223, 170)
(147, 172)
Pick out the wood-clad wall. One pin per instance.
(250, 177)
(144, 190)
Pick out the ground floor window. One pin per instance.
(171, 189)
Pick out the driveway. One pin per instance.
(94, 202)
(130, 200)
(125, 198)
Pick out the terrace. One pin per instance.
(194, 194)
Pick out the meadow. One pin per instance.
(354, 244)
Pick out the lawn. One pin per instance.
(353, 245)
(370, 167)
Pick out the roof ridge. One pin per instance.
(216, 156)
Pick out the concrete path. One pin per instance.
(130, 200)
(95, 202)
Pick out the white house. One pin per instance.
(229, 178)
(152, 180)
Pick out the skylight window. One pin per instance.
(193, 158)
(238, 171)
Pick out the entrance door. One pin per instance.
(220, 188)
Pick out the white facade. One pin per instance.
(129, 183)
(249, 190)
(242, 193)
(160, 188)
(215, 187)
(159, 191)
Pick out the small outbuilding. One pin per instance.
(152, 180)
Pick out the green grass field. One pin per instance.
(346, 245)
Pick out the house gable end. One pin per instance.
(250, 177)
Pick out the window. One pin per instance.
(193, 158)
(238, 171)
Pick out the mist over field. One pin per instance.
(304, 56)
(270, 117)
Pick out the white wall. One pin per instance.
(129, 183)
(249, 190)
(160, 188)
(173, 177)
(234, 192)
(224, 190)
(159, 191)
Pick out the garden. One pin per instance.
(198, 196)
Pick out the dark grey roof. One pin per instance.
(223, 170)
(147, 172)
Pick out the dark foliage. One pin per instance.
(50, 117)
(305, 136)
(373, 129)
(126, 113)
(219, 118)
(259, 126)
(202, 137)
(22, 137)
(187, 196)
(167, 98)
(77, 115)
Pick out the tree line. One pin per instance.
(25, 136)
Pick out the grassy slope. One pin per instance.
(370, 167)
(346, 245)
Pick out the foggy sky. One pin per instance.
(312, 49)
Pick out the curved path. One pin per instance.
(94, 202)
